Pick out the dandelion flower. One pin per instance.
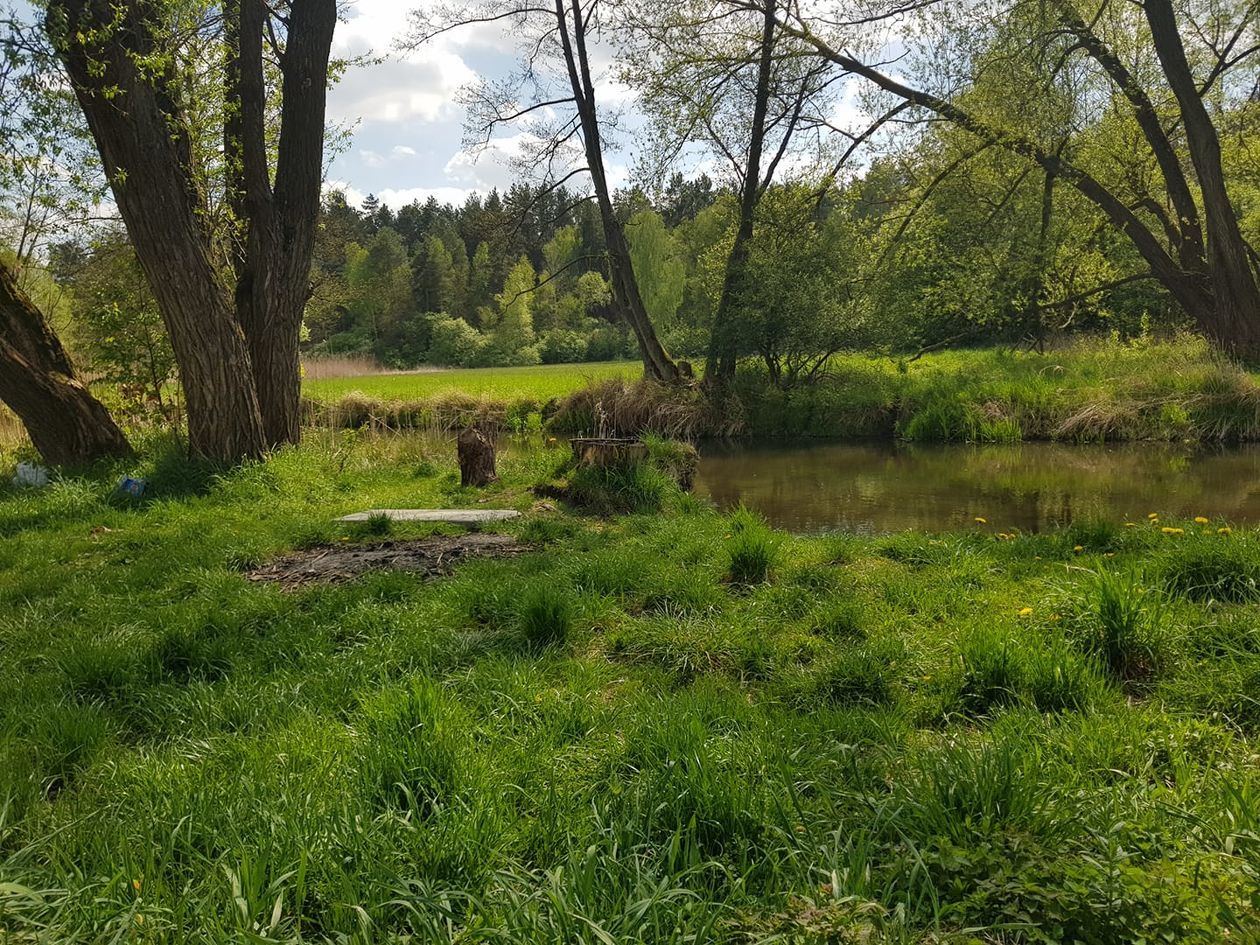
(981, 521)
(1025, 611)
(1078, 548)
(1172, 531)
(135, 884)
(1226, 530)
(1153, 516)
(1201, 520)
(1130, 524)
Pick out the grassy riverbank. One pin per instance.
(659, 728)
(1091, 391)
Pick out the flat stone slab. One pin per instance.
(450, 516)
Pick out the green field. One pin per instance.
(672, 727)
(541, 382)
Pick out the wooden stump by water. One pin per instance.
(476, 458)
(608, 451)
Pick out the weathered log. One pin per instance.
(476, 458)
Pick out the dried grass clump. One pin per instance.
(441, 413)
(617, 407)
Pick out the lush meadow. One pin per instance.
(1089, 390)
(678, 727)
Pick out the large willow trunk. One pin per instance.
(37, 381)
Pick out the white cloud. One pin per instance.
(399, 197)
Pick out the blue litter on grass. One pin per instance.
(131, 487)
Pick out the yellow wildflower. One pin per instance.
(1172, 531)
(1130, 524)
(1078, 548)
(1025, 611)
(981, 521)
(1200, 520)
(135, 884)
(1224, 531)
(1153, 516)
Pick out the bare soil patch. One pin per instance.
(431, 556)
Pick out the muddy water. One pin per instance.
(878, 487)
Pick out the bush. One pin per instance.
(545, 616)
(454, 342)
(562, 346)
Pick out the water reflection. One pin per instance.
(878, 487)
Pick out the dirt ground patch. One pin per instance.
(431, 556)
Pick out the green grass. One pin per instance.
(1092, 390)
(541, 382)
(901, 739)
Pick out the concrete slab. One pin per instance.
(450, 516)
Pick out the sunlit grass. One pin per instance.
(648, 729)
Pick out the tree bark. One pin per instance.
(656, 362)
(276, 234)
(146, 153)
(723, 345)
(476, 458)
(1235, 317)
(37, 381)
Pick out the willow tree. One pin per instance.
(552, 99)
(38, 382)
(1172, 74)
(224, 234)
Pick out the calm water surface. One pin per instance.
(879, 487)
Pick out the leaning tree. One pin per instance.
(218, 182)
(552, 99)
(1175, 74)
(38, 382)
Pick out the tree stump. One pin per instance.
(608, 451)
(476, 458)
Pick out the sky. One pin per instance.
(407, 127)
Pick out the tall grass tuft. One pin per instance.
(545, 615)
(1121, 622)
(751, 549)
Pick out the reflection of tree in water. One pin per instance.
(1027, 486)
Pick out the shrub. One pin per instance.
(562, 346)
(545, 616)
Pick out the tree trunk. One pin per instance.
(476, 458)
(273, 257)
(146, 153)
(723, 343)
(37, 381)
(1234, 321)
(657, 363)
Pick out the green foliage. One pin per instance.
(620, 488)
